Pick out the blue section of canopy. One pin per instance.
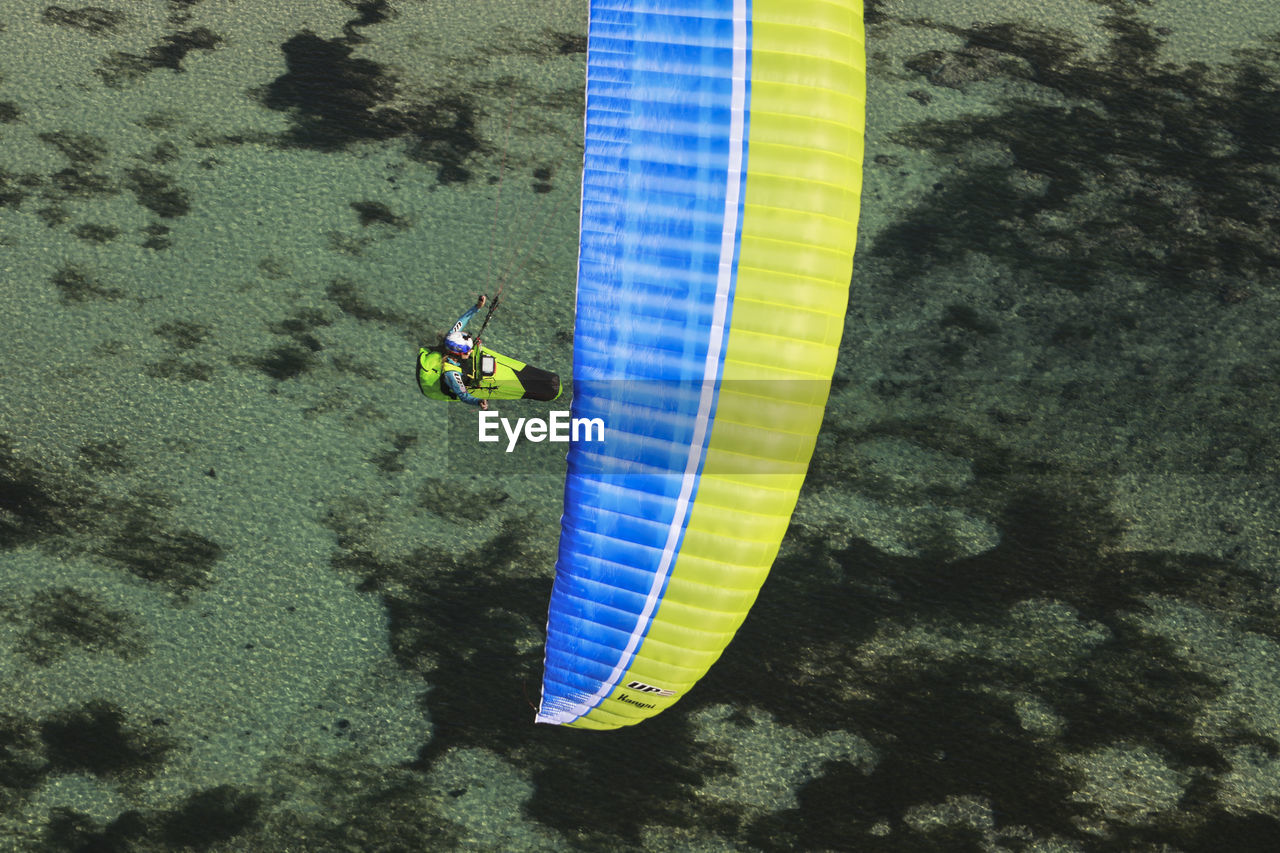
(665, 125)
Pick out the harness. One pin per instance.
(431, 369)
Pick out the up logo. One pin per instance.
(649, 688)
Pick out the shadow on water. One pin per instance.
(1162, 172)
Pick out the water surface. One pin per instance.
(256, 593)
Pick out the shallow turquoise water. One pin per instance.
(255, 593)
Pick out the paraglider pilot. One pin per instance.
(457, 346)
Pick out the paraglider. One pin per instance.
(460, 367)
(721, 176)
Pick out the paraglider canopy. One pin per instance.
(721, 176)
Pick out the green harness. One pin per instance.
(431, 369)
(487, 375)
